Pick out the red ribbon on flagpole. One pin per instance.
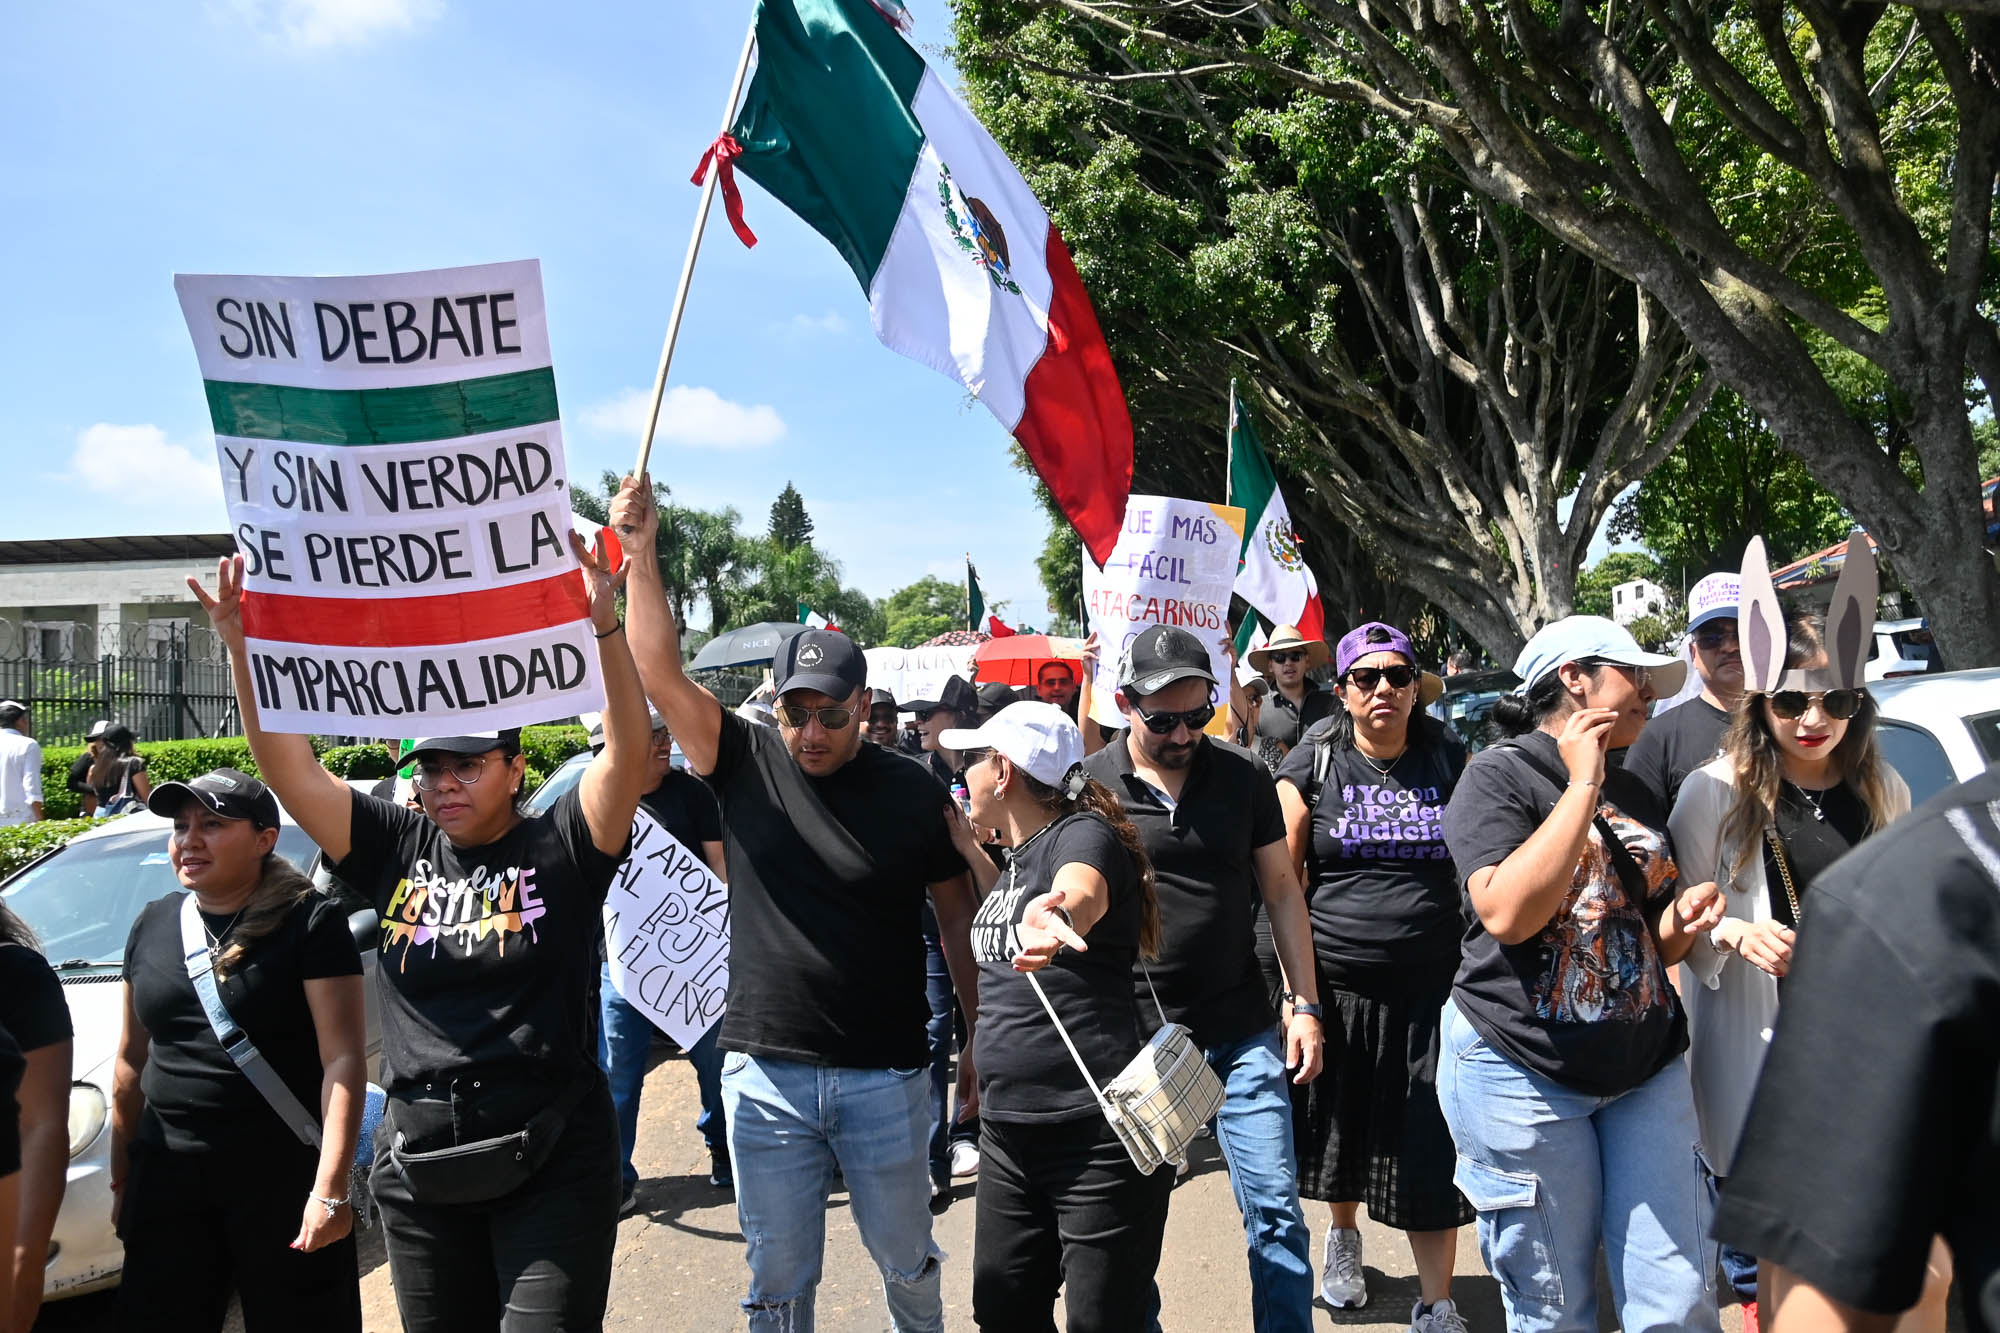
(723, 153)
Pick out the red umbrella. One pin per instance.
(1017, 658)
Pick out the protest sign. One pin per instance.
(1174, 564)
(392, 461)
(917, 673)
(666, 932)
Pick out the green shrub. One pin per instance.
(545, 748)
(359, 761)
(166, 761)
(24, 842)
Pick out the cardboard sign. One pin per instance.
(666, 933)
(1174, 564)
(392, 460)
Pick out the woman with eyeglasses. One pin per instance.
(1799, 782)
(1363, 796)
(497, 1164)
(1560, 1072)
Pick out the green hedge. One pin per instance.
(24, 842)
(359, 761)
(547, 747)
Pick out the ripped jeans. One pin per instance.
(1554, 1171)
(789, 1123)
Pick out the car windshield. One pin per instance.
(82, 900)
(559, 782)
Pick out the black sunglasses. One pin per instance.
(1163, 724)
(1839, 705)
(1290, 655)
(1366, 678)
(833, 719)
(1708, 640)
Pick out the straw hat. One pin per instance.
(1286, 637)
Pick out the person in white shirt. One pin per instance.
(20, 767)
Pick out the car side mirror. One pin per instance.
(366, 928)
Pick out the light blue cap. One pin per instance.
(1574, 638)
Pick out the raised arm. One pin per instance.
(616, 778)
(692, 713)
(316, 799)
(1516, 898)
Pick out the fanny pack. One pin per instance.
(484, 1169)
(1161, 1098)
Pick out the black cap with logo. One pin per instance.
(474, 742)
(820, 659)
(1161, 655)
(227, 792)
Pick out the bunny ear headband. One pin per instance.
(1850, 623)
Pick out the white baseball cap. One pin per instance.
(1037, 737)
(1576, 638)
(1716, 597)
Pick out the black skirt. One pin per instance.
(1368, 1129)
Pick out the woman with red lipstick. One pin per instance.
(215, 1191)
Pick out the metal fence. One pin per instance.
(168, 688)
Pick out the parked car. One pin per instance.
(569, 774)
(1940, 728)
(81, 899)
(1902, 648)
(1468, 701)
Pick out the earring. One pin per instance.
(997, 791)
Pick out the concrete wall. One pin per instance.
(103, 597)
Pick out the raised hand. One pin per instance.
(635, 518)
(1043, 931)
(1584, 738)
(602, 584)
(225, 608)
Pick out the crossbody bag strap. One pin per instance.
(1063, 1032)
(236, 1043)
(1157, 1006)
(1627, 869)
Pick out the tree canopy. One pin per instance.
(923, 610)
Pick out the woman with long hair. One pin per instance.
(1560, 1071)
(1364, 795)
(118, 773)
(214, 1191)
(1061, 1204)
(32, 1008)
(497, 1164)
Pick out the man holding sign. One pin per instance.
(831, 844)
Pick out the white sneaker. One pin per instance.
(1341, 1281)
(964, 1158)
(1440, 1318)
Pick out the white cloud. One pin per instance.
(691, 415)
(832, 324)
(140, 467)
(316, 24)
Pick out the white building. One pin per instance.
(1639, 598)
(77, 599)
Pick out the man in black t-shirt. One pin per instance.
(832, 844)
(1874, 1125)
(1683, 738)
(1208, 814)
(1296, 701)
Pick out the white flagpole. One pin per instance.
(694, 249)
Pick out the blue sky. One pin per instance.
(368, 136)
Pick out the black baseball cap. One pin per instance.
(226, 791)
(880, 698)
(956, 694)
(1161, 655)
(819, 659)
(993, 696)
(472, 742)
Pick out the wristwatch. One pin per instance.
(1302, 1006)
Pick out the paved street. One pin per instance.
(680, 1260)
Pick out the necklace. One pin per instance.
(1815, 799)
(1382, 769)
(215, 938)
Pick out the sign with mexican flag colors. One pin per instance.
(392, 461)
(846, 125)
(1273, 576)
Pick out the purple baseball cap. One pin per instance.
(1376, 637)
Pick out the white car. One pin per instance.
(1901, 648)
(81, 899)
(1939, 729)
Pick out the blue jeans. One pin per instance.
(1739, 1270)
(1553, 1171)
(937, 988)
(1254, 1129)
(624, 1035)
(789, 1124)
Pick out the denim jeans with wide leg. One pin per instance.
(1553, 1171)
(789, 1125)
(624, 1036)
(937, 988)
(1254, 1129)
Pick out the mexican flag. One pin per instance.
(1272, 575)
(975, 599)
(848, 127)
(812, 619)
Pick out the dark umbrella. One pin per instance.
(747, 645)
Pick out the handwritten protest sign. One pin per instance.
(666, 932)
(917, 673)
(1174, 564)
(393, 465)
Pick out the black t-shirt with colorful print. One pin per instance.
(489, 954)
(1585, 1001)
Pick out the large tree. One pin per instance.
(1434, 372)
(923, 610)
(791, 526)
(703, 553)
(1806, 189)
